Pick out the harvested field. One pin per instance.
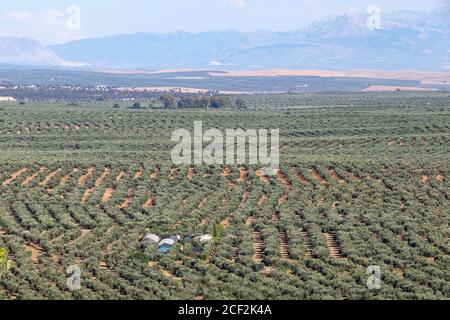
(394, 88)
(440, 78)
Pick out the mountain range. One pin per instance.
(406, 40)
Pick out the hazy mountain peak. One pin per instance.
(26, 51)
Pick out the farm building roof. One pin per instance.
(164, 249)
(167, 241)
(175, 238)
(205, 238)
(151, 238)
(146, 242)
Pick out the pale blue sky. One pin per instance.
(46, 20)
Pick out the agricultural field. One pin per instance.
(45, 82)
(364, 181)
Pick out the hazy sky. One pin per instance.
(56, 21)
